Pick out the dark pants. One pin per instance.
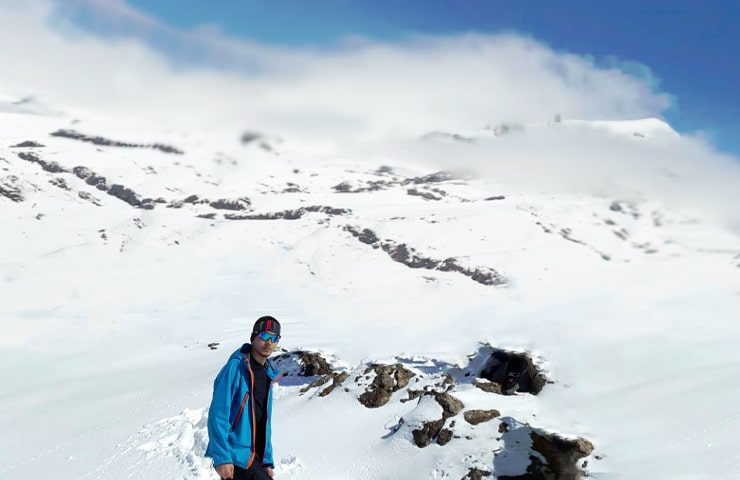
(255, 472)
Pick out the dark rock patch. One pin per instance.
(388, 379)
(316, 383)
(423, 194)
(436, 177)
(313, 364)
(209, 216)
(125, 194)
(60, 183)
(406, 255)
(365, 235)
(444, 436)
(561, 456)
(429, 431)
(371, 186)
(87, 196)
(486, 386)
(28, 144)
(337, 379)
(241, 203)
(10, 190)
(510, 372)
(214, 345)
(474, 417)
(250, 136)
(74, 135)
(290, 214)
(451, 406)
(476, 474)
(51, 167)
(497, 197)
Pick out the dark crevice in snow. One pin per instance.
(402, 253)
(113, 143)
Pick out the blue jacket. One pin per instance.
(231, 402)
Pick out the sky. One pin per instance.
(688, 49)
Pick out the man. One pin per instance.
(240, 417)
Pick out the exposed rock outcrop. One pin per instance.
(290, 214)
(402, 253)
(474, 417)
(388, 379)
(561, 456)
(96, 140)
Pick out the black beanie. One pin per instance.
(265, 324)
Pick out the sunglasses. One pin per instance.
(265, 336)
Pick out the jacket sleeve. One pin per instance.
(218, 414)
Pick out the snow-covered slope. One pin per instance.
(127, 249)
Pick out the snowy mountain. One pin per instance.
(135, 257)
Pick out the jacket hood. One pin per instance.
(245, 350)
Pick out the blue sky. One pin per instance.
(691, 47)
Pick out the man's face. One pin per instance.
(264, 348)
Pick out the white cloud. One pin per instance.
(371, 91)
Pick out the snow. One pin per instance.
(631, 307)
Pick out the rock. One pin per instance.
(250, 136)
(406, 255)
(474, 417)
(424, 195)
(512, 372)
(316, 383)
(388, 379)
(71, 134)
(429, 430)
(125, 194)
(476, 474)
(441, 176)
(52, 167)
(337, 379)
(444, 436)
(290, 214)
(237, 204)
(60, 183)
(10, 190)
(451, 406)
(343, 187)
(488, 386)
(27, 144)
(561, 456)
(365, 236)
(313, 364)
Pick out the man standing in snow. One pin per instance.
(240, 416)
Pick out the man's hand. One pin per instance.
(226, 470)
(270, 472)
